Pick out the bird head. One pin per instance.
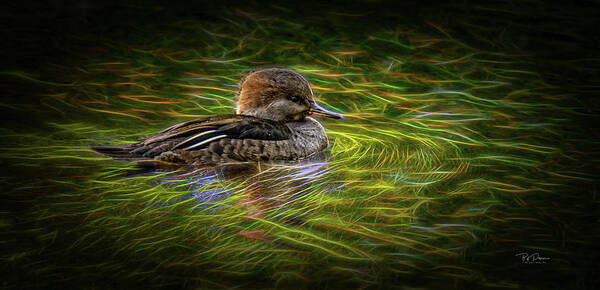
(278, 94)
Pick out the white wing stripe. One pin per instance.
(204, 142)
(194, 137)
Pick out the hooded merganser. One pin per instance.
(271, 123)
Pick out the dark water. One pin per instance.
(467, 158)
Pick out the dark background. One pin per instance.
(551, 34)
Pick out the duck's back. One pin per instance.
(227, 138)
(305, 139)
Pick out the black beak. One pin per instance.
(317, 110)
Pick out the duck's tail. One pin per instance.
(129, 153)
(119, 152)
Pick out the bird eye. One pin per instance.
(294, 98)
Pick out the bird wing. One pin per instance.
(199, 134)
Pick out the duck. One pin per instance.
(273, 120)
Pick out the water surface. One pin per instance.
(459, 150)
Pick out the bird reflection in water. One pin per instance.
(276, 192)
